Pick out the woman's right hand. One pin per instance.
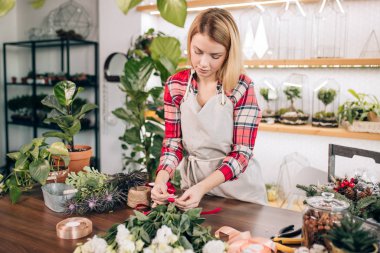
(159, 192)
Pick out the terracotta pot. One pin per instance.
(78, 160)
(373, 117)
(57, 176)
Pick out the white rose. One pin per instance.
(214, 246)
(127, 247)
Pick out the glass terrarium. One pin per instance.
(294, 100)
(325, 103)
(330, 29)
(291, 31)
(268, 97)
(257, 30)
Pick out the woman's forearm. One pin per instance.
(162, 177)
(213, 180)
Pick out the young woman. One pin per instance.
(211, 112)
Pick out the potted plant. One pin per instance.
(144, 132)
(325, 118)
(349, 236)
(21, 108)
(35, 161)
(269, 114)
(355, 115)
(291, 115)
(69, 121)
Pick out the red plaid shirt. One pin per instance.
(247, 116)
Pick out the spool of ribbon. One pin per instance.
(74, 228)
(243, 241)
(139, 195)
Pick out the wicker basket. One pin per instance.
(362, 126)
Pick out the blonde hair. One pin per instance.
(220, 26)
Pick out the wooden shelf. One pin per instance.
(319, 131)
(229, 4)
(311, 63)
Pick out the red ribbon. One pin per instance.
(213, 211)
(171, 189)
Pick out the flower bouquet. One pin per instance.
(165, 229)
(363, 196)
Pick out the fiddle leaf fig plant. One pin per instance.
(63, 114)
(144, 134)
(34, 161)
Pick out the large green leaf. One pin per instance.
(84, 109)
(39, 170)
(126, 5)
(59, 135)
(59, 149)
(132, 136)
(64, 91)
(14, 193)
(173, 11)
(156, 92)
(52, 102)
(137, 73)
(153, 128)
(14, 155)
(121, 113)
(22, 162)
(75, 128)
(6, 6)
(165, 67)
(168, 47)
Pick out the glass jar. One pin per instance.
(319, 216)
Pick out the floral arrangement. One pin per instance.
(98, 192)
(363, 196)
(164, 230)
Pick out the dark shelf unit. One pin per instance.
(64, 45)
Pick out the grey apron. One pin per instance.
(207, 134)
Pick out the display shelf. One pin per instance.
(318, 131)
(311, 63)
(226, 4)
(49, 85)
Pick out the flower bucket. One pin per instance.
(81, 159)
(56, 195)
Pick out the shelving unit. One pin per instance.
(319, 131)
(64, 46)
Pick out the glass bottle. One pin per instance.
(320, 214)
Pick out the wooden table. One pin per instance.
(29, 226)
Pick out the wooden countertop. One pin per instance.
(29, 226)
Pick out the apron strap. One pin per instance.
(192, 71)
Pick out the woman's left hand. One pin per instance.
(190, 198)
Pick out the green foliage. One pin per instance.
(173, 11)
(62, 113)
(264, 92)
(6, 6)
(359, 108)
(327, 96)
(310, 190)
(351, 237)
(292, 93)
(144, 135)
(324, 115)
(186, 225)
(34, 161)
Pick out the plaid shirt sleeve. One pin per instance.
(247, 116)
(172, 148)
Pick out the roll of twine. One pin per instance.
(74, 228)
(138, 195)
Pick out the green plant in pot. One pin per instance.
(292, 115)
(325, 118)
(349, 236)
(69, 121)
(144, 133)
(34, 162)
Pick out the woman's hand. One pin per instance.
(191, 197)
(159, 192)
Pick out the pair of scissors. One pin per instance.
(284, 236)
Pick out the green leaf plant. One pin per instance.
(359, 108)
(326, 96)
(33, 162)
(144, 134)
(63, 113)
(292, 93)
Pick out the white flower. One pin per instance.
(165, 236)
(214, 246)
(93, 245)
(2, 186)
(127, 247)
(139, 245)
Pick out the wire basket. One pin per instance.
(56, 195)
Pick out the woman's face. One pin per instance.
(207, 56)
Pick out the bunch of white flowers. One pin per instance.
(164, 242)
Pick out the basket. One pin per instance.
(362, 126)
(54, 196)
